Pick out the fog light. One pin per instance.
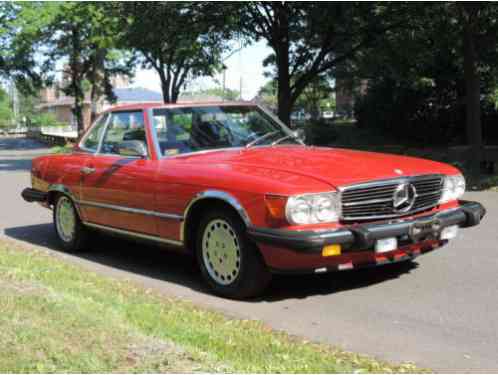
(449, 233)
(386, 244)
(331, 250)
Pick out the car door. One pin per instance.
(116, 187)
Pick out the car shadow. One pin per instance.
(160, 264)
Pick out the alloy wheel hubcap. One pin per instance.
(221, 252)
(66, 219)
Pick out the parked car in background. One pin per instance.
(328, 114)
(231, 185)
(300, 116)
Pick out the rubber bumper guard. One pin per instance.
(33, 195)
(363, 236)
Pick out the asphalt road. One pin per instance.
(440, 311)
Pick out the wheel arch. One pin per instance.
(202, 202)
(55, 190)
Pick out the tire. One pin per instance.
(71, 233)
(231, 265)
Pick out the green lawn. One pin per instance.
(57, 317)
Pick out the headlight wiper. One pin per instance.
(261, 138)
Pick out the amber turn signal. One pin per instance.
(275, 205)
(331, 250)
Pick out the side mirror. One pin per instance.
(132, 148)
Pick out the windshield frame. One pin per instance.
(263, 110)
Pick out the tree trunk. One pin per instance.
(165, 84)
(174, 95)
(472, 95)
(281, 46)
(96, 81)
(76, 81)
(284, 95)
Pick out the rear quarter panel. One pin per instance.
(63, 169)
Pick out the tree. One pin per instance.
(317, 93)
(267, 94)
(479, 31)
(84, 34)
(432, 78)
(81, 36)
(179, 40)
(5, 110)
(18, 62)
(227, 94)
(311, 38)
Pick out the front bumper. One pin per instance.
(363, 236)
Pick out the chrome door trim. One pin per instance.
(134, 234)
(131, 210)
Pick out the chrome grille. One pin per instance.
(374, 200)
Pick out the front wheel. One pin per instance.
(70, 231)
(230, 263)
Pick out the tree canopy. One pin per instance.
(179, 40)
(311, 38)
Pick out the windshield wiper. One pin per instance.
(261, 138)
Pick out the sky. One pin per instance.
(245, 65)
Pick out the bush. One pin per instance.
(420, 113)
(45, 119)
(320, 133)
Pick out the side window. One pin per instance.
(124, 127)
(173, 131)
(91, 142)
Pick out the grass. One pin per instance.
(62, 149)
(56, 317)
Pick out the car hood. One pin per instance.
(333, 166)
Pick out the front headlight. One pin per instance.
(313, 208)
(453, 188)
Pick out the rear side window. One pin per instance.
(91, 141)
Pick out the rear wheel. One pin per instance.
(230, 263)
(70, 231)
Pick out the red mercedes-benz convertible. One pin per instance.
(232, 185)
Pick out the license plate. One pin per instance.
(425, 228)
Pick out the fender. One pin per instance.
(214, 194)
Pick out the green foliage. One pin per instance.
(180, 40)
(416, 86)
(81, 36)
(267, 94)
(227, 94)
(56, 318)
(18, 46)
(45, 119)
(316, 97)
(310, 39)
(5, 110)
(320, 133)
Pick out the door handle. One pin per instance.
(87, 170)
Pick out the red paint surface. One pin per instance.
(168, 185)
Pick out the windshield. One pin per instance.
(190, 129)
